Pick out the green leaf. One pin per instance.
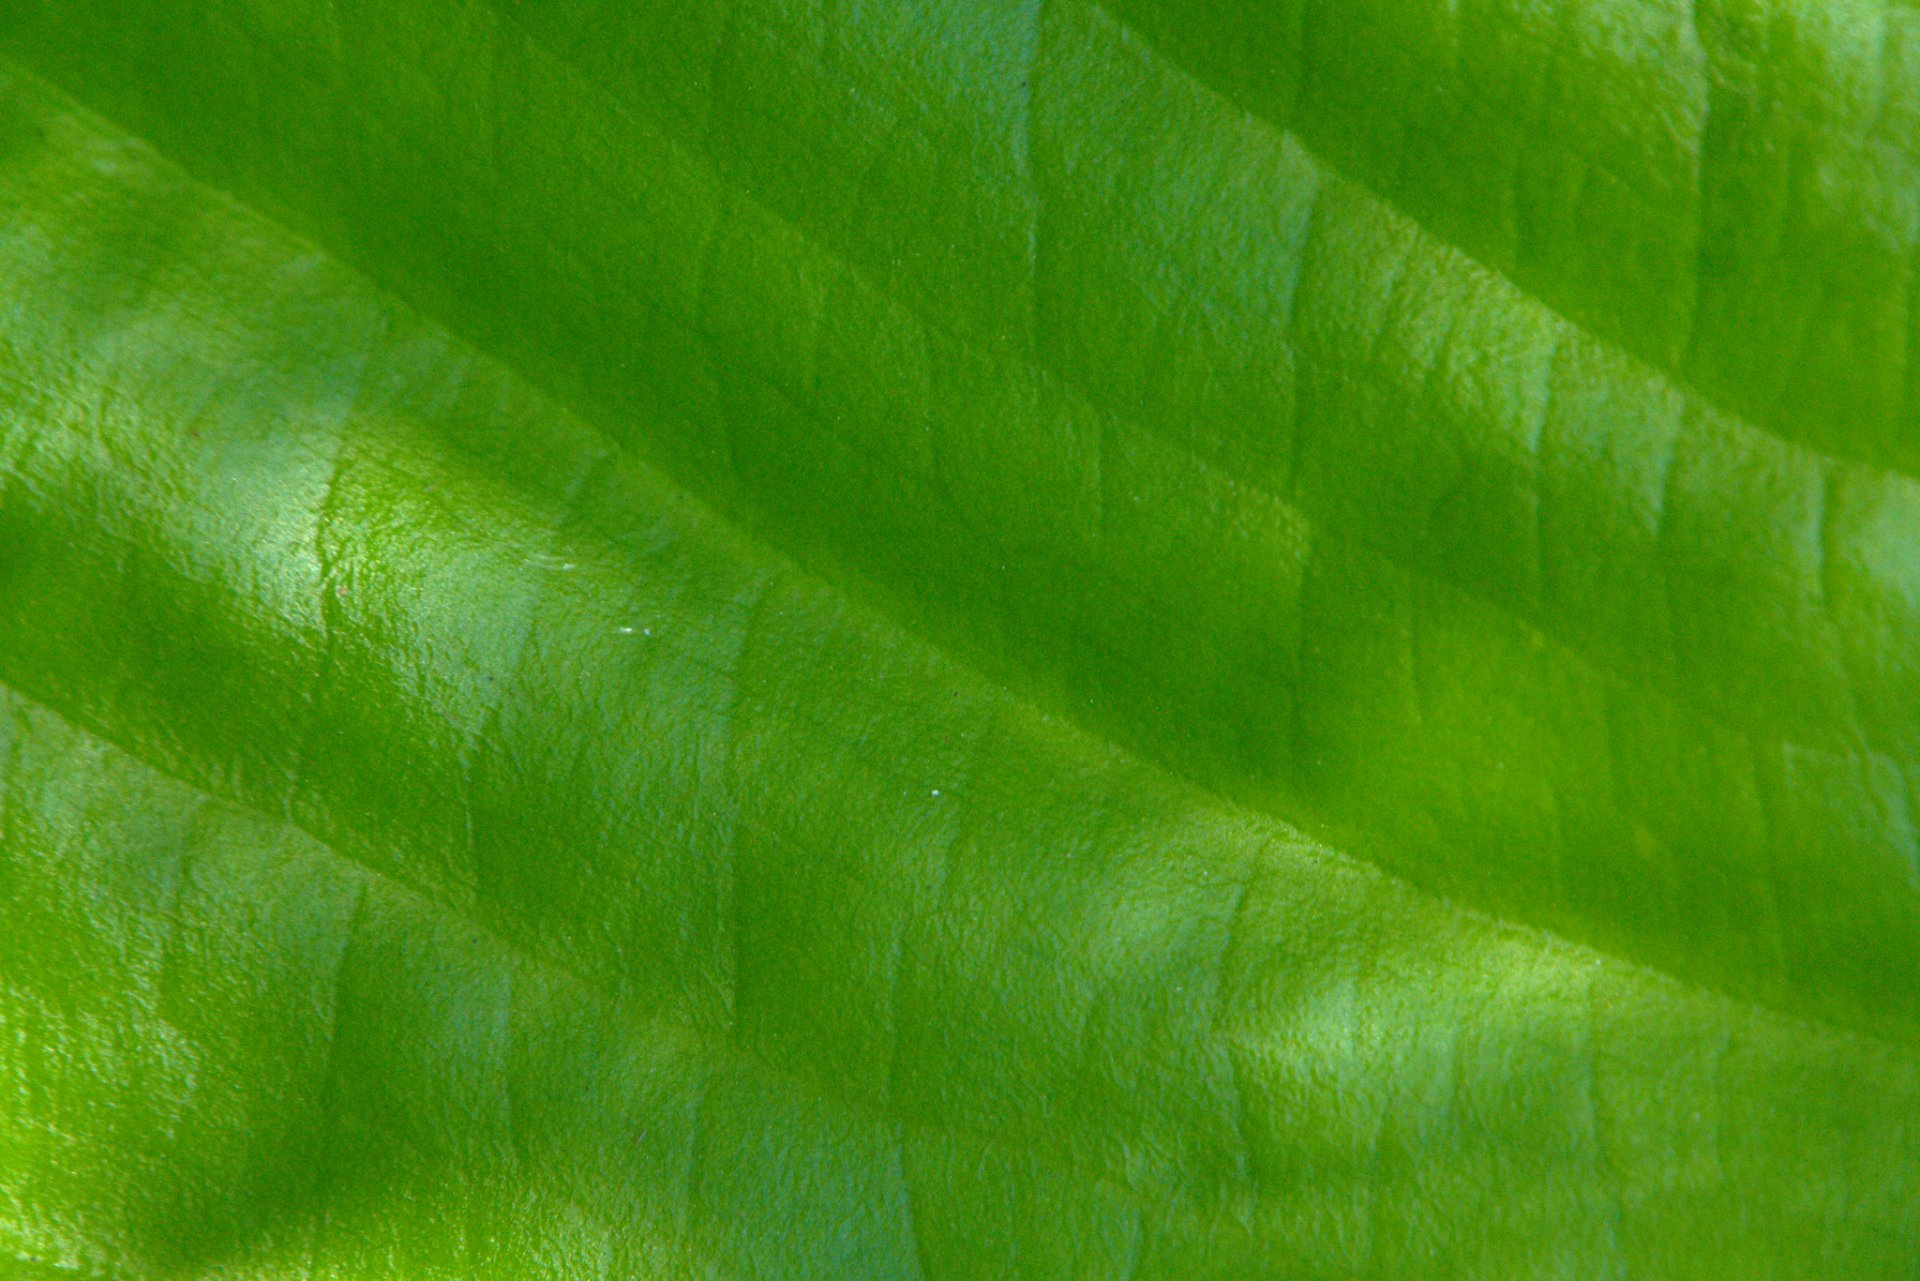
(953, 639)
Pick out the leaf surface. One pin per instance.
(856, 640)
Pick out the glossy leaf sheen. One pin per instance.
(945, 638)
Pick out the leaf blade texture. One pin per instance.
(897, 640)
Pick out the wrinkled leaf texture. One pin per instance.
(959, 638)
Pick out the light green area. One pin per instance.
(925, 650)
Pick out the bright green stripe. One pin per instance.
(240, 1050)
(1189, 612)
